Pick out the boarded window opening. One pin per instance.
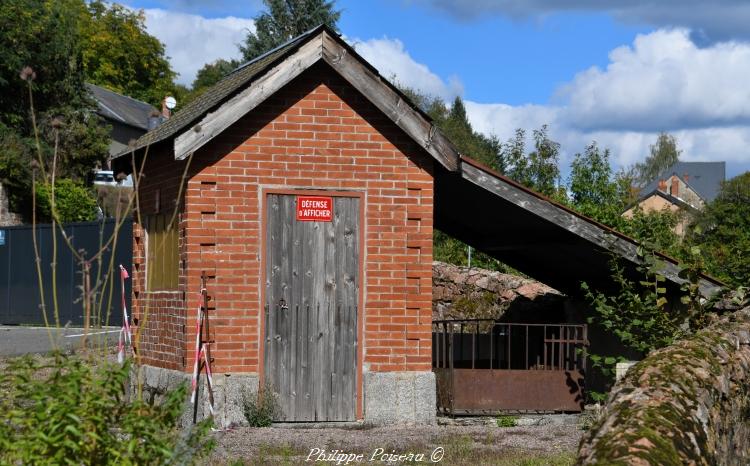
(162, 260)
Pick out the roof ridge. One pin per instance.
(277, 48)
(121, 95)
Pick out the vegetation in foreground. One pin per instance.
(69, 409)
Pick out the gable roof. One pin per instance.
(121, 108)
(666, 196)
(217, 93)
(704, 178)
(250, 84)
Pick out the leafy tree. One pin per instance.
(663, 154)
(539, 169)
(284, 20)
(595, 191)
(211, 73)
(591, 181)
(723, 232)
(41, 56)
(455, 124)
(42, 35)
(118, 53)
(655, 229)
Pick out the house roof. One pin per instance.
(666, 196)
(547, 241)
(218, 93)
(121, 108)
(272, 70)
(704, 178)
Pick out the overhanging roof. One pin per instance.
(533, 234)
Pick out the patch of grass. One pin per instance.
(461, 446)
(507, 421)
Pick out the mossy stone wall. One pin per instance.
(685, 404)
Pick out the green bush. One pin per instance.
(507, 421)
(261, 407)
(73, 202)
(67, 410)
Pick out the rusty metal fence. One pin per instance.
(485, 366)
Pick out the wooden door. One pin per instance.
(311, 294)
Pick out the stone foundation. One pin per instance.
(399, 398)
(227, 393)
(389, 397)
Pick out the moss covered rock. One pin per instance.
(685, 404)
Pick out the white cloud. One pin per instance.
(394, 63)
(663, 81)
(192, 40)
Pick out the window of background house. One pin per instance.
(163, 257)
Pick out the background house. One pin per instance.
(684, 187)
(130, 118)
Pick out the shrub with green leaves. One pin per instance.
(507, 421)
(260, 407)
(69, 410)
(639, 314)
(73, 202)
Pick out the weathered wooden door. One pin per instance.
(312, 286)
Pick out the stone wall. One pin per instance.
(7, 218)
(463, 292)
(686, 404)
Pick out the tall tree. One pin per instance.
(455, 124)
(211, 73)
(284, 20)
(539, 169)
(43, 38)
(722, 231)
(663, 154)
(593, 189)
(120, 55)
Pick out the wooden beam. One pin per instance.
(390, 102)
(254, 94)
(586, 230)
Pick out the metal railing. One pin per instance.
(490, 344)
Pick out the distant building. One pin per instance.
(684, 187)
(130, 118)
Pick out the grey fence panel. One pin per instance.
(19, 280)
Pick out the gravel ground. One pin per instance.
(473, 444)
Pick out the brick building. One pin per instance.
(305, 187)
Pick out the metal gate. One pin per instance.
(311, 291)
(485, 366)
(19, 281)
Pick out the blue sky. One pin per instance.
(614, 71)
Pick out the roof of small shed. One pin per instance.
(217, 94)
(483, 208)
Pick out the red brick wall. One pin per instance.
(316, 133)
(159, 315)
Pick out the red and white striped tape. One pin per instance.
(126, 335)
(196, 359)
(201, 353)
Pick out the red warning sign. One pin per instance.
(314, 208)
